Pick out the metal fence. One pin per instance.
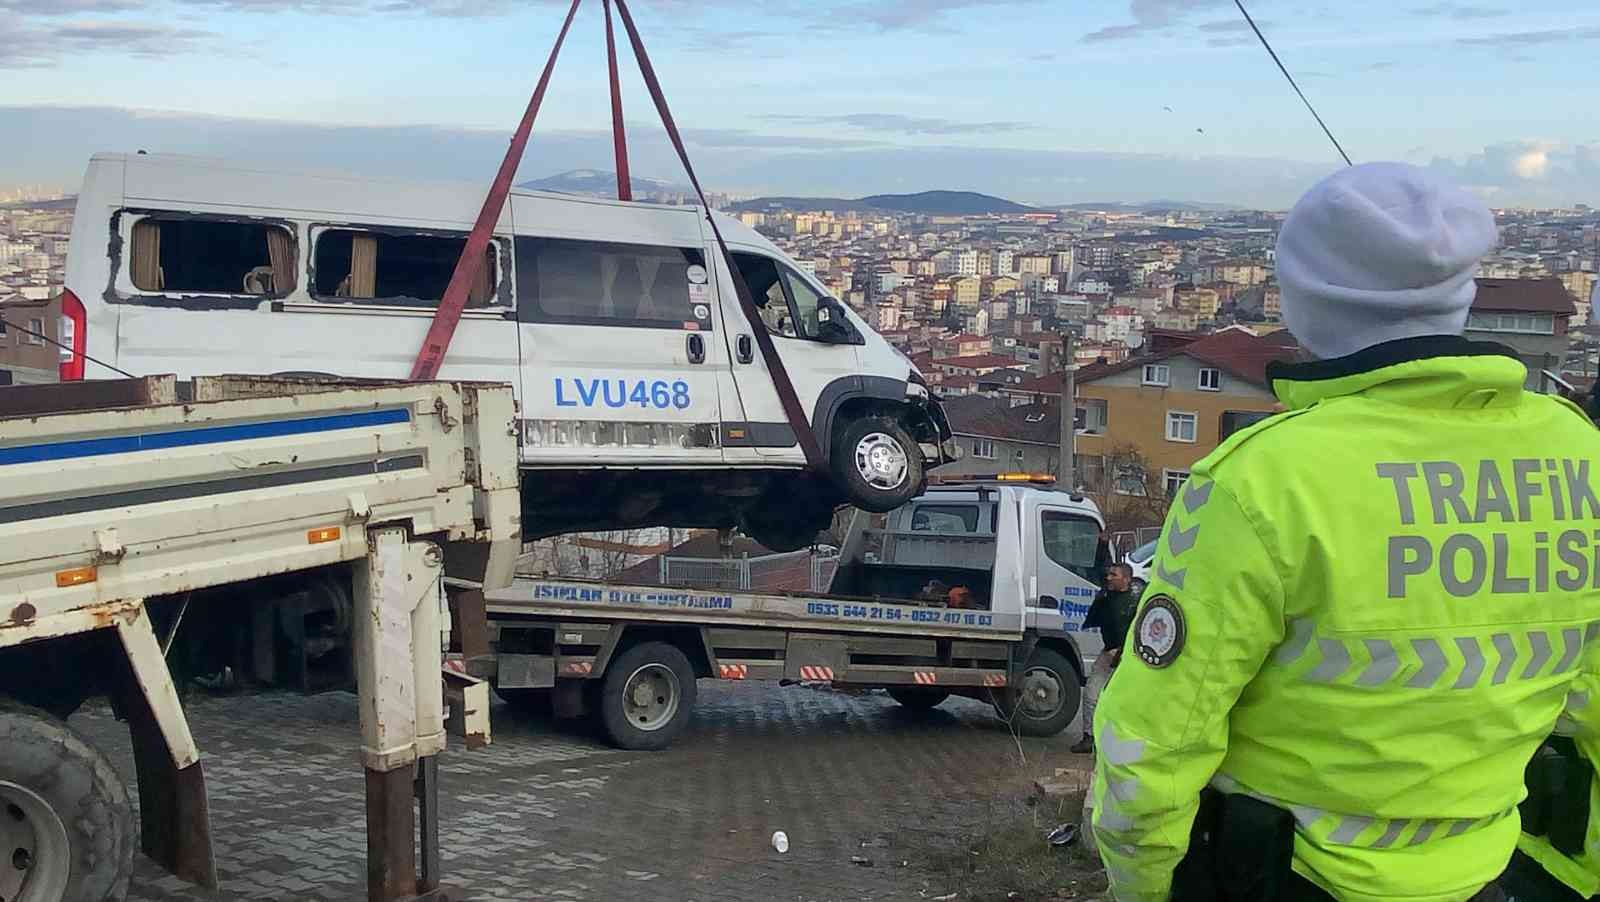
(1124, 542)
(792, 572)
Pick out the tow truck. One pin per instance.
(318, 519)
(1020, 552)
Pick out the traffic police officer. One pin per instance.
(1366, 612)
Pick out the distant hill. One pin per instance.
(1152, 206)
(929, 203)
(599, 183)
(63, 203)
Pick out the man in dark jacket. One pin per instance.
(1112, 614)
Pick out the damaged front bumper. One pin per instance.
(936, 438)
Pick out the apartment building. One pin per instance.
(1173, 408)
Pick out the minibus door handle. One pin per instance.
(697, 348)
(745, 349)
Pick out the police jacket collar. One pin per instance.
(1430, 371)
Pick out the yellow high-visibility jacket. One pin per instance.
(1371, 610)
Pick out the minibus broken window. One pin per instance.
(400, 269)
(197, 255)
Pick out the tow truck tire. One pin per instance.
(647, 696)
(1047, 698)
(878, 464)
(65, 819)
(916, 698)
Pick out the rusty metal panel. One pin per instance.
(907, 648)
(468, 698)
(63, 397)
(747, 638)
(583, 633)
(526, 671)
(814, 658)
(982, 651)
(391, 836)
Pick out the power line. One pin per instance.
(1292, 84)
(11, 325)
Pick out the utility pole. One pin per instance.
(1069, 411)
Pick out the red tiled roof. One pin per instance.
(1236, 352)
(1524, 296)
(977, 361)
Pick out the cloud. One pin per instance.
(61, 139)
(1544, 173)
(897, 15)
(906, 125)
(1532, 38)
(1460, 11)
(150, 41)
(68, 7)
(1148, 16)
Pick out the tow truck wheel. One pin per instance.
(917, 698)
(1046, 699)
(878, 464)
(647, 696)
(66, 827)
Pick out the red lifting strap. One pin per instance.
(448, 315)
(619, 136)
(454, 301)
(798, 422)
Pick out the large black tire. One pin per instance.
(1047, 698)
(877, 464)
(647, 696)
(65, 821)
(918, 698)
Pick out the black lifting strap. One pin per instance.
(792, 411)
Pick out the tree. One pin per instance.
(1130, 492)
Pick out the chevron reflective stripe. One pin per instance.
(1118, 753)
(1433, 664)
(581, 668)
(1300, 632)
(1508, 657)
(923, 678)
(1426, 662)
(1385, 661)
(1175, 577)
(1573, 640)
(816, 673)
(1335, 661)
(1473, 655)
(1180, 540)
(992, 680)
(1196, 496)
(1541, 653)
(734, 671)
(1358, 829)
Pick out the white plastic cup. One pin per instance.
(780, 841)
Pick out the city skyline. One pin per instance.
(1016, 98)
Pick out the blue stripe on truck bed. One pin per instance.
(185, 438)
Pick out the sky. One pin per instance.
(1040, 101)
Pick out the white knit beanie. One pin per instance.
(1378, 252)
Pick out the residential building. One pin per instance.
(1272, 303)
(1003, 262)
(994, 286)
(1034, 263)
(996, 437)
(25, 358)
(966, 291)
(975, 365)
(1581, 285)
(1169, 410)
(967, 263)
(1529, 315)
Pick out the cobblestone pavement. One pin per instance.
(550, 812)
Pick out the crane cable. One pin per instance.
(1292, 84)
